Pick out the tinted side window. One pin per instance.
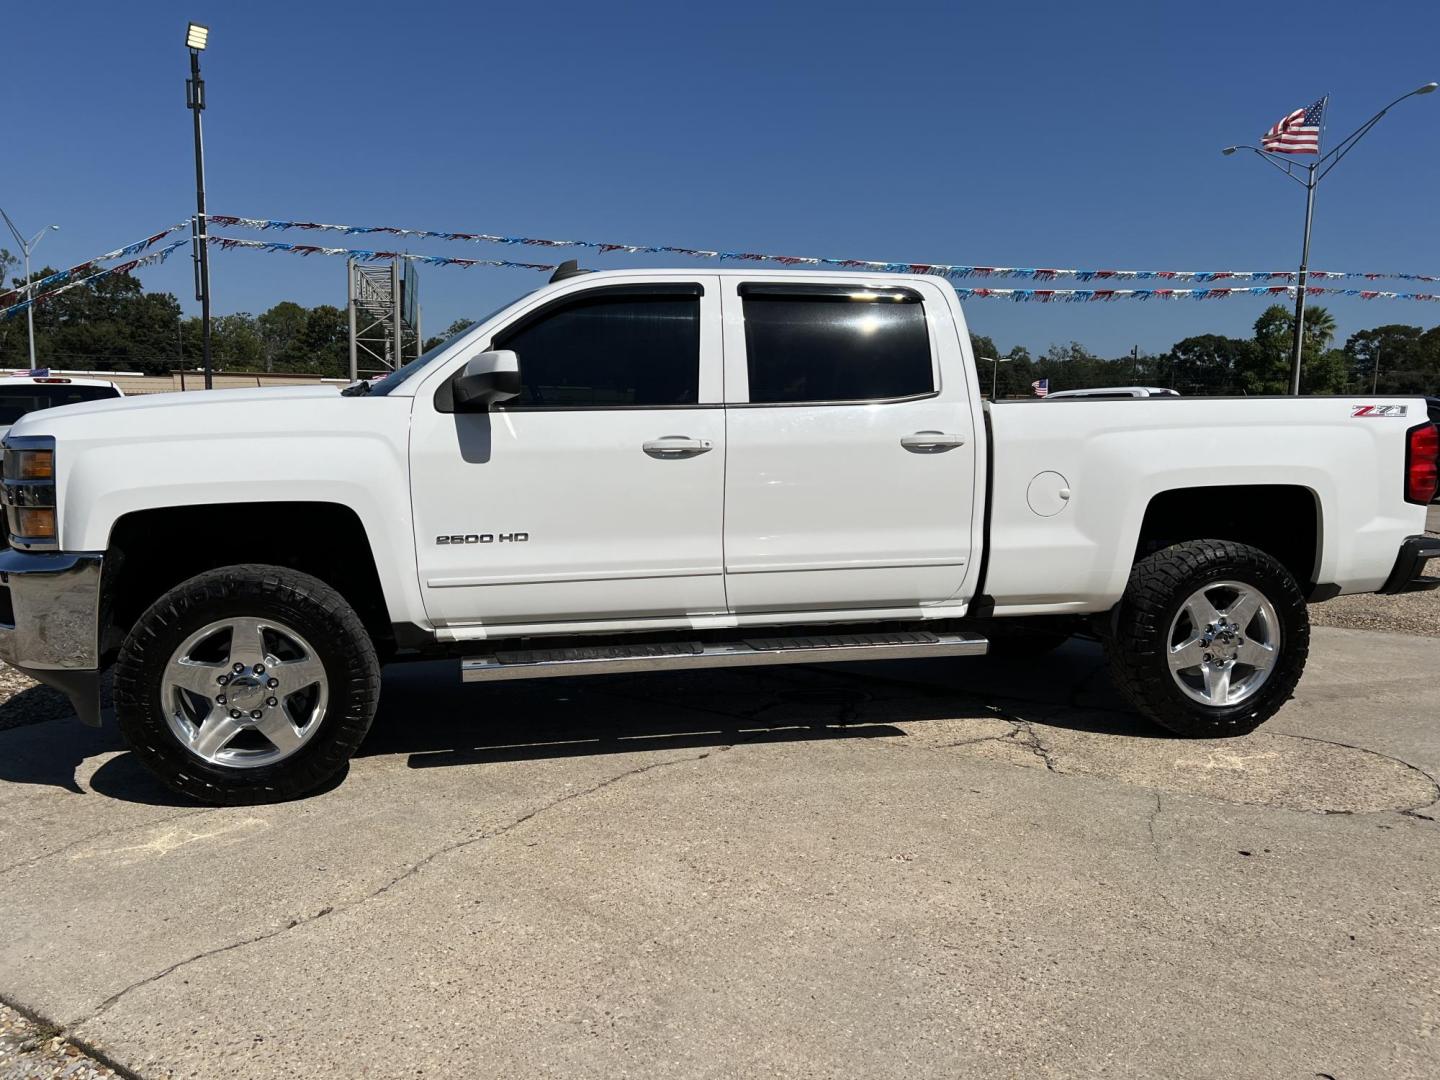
(835, 345)
(617, 349)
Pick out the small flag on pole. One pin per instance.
(1298, 133)
(1041, 387)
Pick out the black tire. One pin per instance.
(1138, 644)
(305, 603)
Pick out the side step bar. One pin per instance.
(748, 652)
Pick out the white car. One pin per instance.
(661, 469)
(1115, 392)
(21, 395)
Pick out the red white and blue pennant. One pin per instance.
(948, 270)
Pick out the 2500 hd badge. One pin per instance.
(484, 538)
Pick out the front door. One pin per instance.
(850, 482)
(596, 494)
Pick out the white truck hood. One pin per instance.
(261, 409)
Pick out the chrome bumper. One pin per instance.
(50, 622)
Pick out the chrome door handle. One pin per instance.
(931, 442)
(677, 446)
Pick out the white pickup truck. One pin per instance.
(665, 469)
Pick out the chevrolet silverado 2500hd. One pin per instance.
(664, 469)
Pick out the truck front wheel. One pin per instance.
(247, 684)
(1210, 638)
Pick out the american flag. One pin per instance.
(1298, 133)
(1041, 387)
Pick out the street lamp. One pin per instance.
(26, 247)
(995, 362)
(196, 36)
(1313, 174)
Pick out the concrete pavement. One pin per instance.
(926, 868)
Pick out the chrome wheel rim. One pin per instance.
(1223, 644)
(244, 692)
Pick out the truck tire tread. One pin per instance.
(332, 627)
(1136, 643)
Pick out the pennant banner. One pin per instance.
(1087, 295)
(1039, 295)
(63, 276)
(947, 270)
(154, 257)
(225, 243)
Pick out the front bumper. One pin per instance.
(1408, 574)
(50, 622)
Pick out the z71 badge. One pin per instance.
(1379, 410)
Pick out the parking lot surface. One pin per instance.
(929, 868)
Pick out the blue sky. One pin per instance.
(1043, 134)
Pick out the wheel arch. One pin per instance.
(1283, 520)
(152, 550)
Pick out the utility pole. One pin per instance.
(1135, 373)
(1312, 175)
(1296, 355)
(1375, 382)
(995, 362)
(26, 247)
(195, 39)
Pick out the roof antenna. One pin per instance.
(568, 269)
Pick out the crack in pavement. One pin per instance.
(1150, 822)
(1410, 810)
(1031, 739)
(999, 704)
(405, 875)
(115, 831)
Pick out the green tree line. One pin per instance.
(114, 324)
(1408, 360)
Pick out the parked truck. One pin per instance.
(661, 469)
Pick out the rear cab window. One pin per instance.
(821, 344)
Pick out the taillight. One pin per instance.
(1422, 446)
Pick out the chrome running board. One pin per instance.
(746, 652)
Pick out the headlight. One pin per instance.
(27, 488)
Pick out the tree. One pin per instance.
(456, 327)
(1266, 368)
(1319, 327)
(281, 329)
(1271, 362)
(1394, 359)
(236, 343)
(1207, 364)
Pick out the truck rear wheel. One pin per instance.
(1210, 638)
(247, 684)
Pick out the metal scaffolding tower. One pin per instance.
(384, 307)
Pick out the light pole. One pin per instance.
(1313, 174)
(995, 362)
(26, 247)
(195, 39)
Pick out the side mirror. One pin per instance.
(487, 378)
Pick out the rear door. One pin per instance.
(596, 495)
(850, 480)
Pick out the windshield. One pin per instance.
(387, 383)
(16, 401)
